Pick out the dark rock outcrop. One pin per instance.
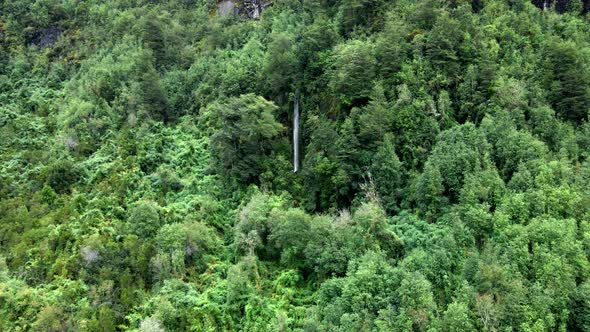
(250, 9)
(46, 37)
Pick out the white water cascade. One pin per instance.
(296, 133)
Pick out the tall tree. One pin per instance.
(244, 129)
(568, 80)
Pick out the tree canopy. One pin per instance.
(147, 183)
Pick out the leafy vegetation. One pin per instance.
(147, 184)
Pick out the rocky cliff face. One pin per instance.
(46, 37)
(250, 9)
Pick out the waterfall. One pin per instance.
(296, 133)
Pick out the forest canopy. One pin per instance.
(147, 177)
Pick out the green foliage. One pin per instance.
(153, 38)
(458, 152)
(353, 65)
(61, 175)
(357, 14)
(416, 127)
(179, 247)
(388, 174)
(569, 86)
(152, 96)
(429, 193)
(147, 184)
(289, 232)
(244, 129)
(456, 318)
(281, 65)
(354, 301)
(581, 315)
(252, 228)
(144, 219)
(443, 45)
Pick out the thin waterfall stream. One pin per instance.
(296, 133)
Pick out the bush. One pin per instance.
(144, 220)
(62, 175)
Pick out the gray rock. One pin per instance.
(225, 8)
(46, 37)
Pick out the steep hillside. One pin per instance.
(148, 180)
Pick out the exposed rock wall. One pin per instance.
(251, 9)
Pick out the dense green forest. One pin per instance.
(146, 165)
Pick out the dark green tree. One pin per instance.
(568, 82)
(153, 96)
(144, 220)
(388, 174)
(153, 38)
(244, 130)
(62, 175)
(353, 65)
